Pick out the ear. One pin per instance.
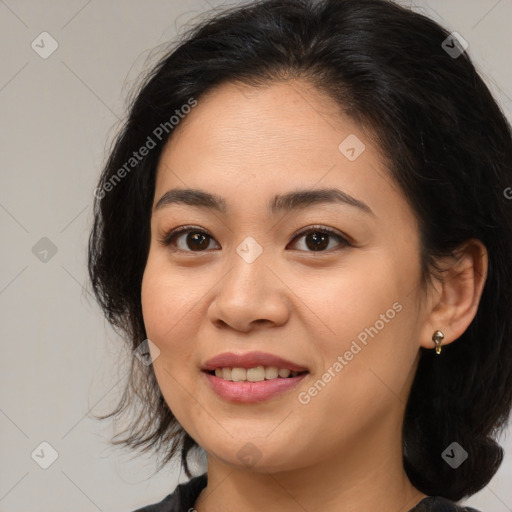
(455, 294)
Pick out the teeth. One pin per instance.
(257, 374)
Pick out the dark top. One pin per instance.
(185, 495)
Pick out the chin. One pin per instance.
(256, 455)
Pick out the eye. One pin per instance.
(317, 238)
(196, 240)
(192, 239)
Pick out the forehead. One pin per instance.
(239, 125)
(241, 140)
(282, 116)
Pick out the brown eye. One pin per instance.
(190, 239)
(318, 239)
(187, 239)
(197, 241)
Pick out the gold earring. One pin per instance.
(437, 338)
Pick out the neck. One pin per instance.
(367, 476)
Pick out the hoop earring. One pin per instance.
(437, 338)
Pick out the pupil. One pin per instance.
(320, 241)
(197, 237)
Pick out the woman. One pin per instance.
(304, 233)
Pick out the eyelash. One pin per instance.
(170, 236)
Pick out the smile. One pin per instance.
(256, 374)
(255, 391)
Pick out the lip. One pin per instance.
(250, 392)
(250, 360)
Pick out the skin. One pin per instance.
(342, 451)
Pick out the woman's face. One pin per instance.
(348, 310)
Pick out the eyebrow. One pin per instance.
(293, 200)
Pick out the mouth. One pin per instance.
(254, 374)
(251, 362)
(250, 392)
(251, 377)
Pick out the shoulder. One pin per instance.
(182, 499)
(440, 504)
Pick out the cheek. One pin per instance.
(372, 323)
(167, 298)
(353, 299)
(360, 383)
(167, 309)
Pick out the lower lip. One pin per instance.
(252, 391)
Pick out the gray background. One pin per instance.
(60, 360)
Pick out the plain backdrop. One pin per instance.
(59, 358)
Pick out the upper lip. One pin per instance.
(249, 360)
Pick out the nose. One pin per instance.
(250, 295)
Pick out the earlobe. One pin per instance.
(459, 289)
